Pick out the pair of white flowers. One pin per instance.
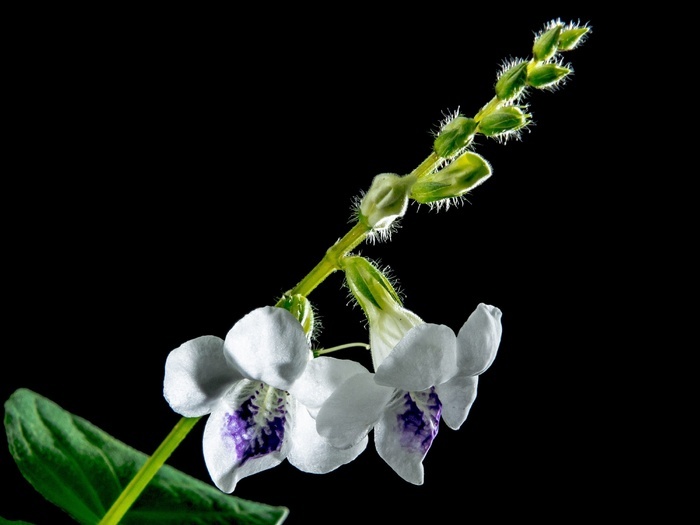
(269, 400)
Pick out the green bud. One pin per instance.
(546, 43)
(503, 120)
(512, 81)
(571, 37)
(466, 172)
(455, 135)
(546, 75)
(301, 308)
(385, 201)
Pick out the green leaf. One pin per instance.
(4, 521)
(82, 469)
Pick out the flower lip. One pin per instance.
(424, 357)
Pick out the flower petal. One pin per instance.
(246, 433)
(349, 413)
(312, 453)
(478, 340)
(406, 431)
(457, 397)
(320, 378)
(197, 375)
(425, 357)
(269, 345)
(386, 329)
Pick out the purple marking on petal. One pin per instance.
(419, 427)
(256, 431)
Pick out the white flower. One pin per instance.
(430, 374)
(261, 389)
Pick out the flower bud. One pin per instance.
(511, 81)
(571, 37)
(546, 42)
(381, 304)
(466, 172)
(546, 75)
(385, 201)
(300, 307)
(455, 135)
(503, 120)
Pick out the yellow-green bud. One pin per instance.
(546, 75)
(511, 81)
(301, 308)
(385, 201)
(466, 172)
(454, 135)
(503, 120)
(571, 37)
(546, 43)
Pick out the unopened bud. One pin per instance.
(512, 81)
(466, 172)
(546, 43)
(571, 37)
(385, 201)
(455, 135)
(546, 75)
(503, 120)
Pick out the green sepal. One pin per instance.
(546, 75)
(571, 38)
(503, 120)
(83, 470)
(466, 172)
(512, 81)
(546, 44)
(368, 284)
(455, 135)
(301, 308)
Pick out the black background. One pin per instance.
(174, 170)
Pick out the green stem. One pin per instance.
(427, 166)
(148, 470)
(492, 105)
(331, 260)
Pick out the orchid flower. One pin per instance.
(261, 389)
(429, 375)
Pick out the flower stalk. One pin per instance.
(500, 117)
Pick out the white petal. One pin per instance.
(386, 329)
(268, 344)
(425, 357)
(406, 431)
(321, 377)
(457, 397)
(349, 413)
(478, 340)
(246, 433)
(312, 453)
(197, 375)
